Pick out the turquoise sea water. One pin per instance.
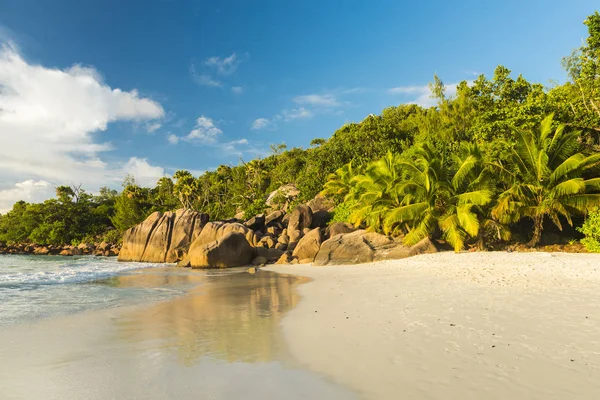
(36, 287)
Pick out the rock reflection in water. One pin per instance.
(232, 316)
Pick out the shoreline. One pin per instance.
(491, 325)
(218, 339)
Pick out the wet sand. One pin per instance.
(453, 326)
(222, 340)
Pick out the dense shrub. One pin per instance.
(591, 230)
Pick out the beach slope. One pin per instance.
(454, 326)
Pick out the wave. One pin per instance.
(20, 272)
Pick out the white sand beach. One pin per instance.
(453, 326)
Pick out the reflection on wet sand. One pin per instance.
(219, 339)
(229, 316)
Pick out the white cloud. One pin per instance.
(320, 100)
(240, 141)
(329, 102)
(205, 131)
(29, 191)
(172, 138)
(207, 80)
(409, 89)
(48, 118)
(261, 123)
(421, 95)
(203, 79)
(151, 128)
(295, 113)
(284, 115)
(225, 65)
(233, 147)
(144, 173)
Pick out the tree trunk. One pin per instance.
(537, 231)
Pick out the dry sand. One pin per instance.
(453, 326)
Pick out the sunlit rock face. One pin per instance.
(162, 237)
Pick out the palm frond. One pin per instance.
(567, 188)
(478, 197)
(452, 232)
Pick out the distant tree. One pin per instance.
(185, 188)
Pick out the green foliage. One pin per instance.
(112, 236)
(339, 183)
(70, 218)
(257, 207)
(462, 170)
(424, 194)
(591, 230)
(549, 179)
(342, 212)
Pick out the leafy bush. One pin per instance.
(342, 212)
(257, 207)
(591, 230)
(113, 236)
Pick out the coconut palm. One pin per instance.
(339, 183)
(375, 192)
(550, 179)
(435, 198)
(185, 188)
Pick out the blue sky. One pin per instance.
(216, 81)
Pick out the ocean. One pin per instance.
(36, 287)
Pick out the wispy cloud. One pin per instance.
(172, 138)
(260, 124)
(326, 100)
(207, 133)
(151, 128)
(330, 102)
(203, 79)
(296, 113)
(287, 115)
(421, 95)
(180, 123)
(217, 65)
(409, 89)
(224, 65)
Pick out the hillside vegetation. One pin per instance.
(503, 158)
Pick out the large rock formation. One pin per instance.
(339, 227)
(162, 237)
(231, 250)
(214, 231)
(188, 238)
(256, 223)
(308, 247)
(363, 247)
(300, 218)
(186, 228)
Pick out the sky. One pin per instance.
(93, 90)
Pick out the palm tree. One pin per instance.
(375, 192)
(550, 179)
(438, 197)
(185, 188)
(339, 183)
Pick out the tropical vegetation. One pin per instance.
(501, 158)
